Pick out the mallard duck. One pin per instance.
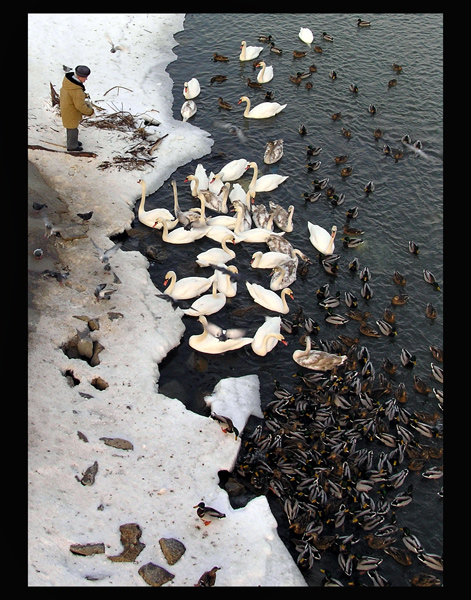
(219, 57)
(223, 104)
(296, 78)
(336, 319)
(208, 579)
(418, 145)
(227, 424)
(369, 187)
(352, 213)
(273, 151)
(314, 197)
(401, 393)
(378, 133)
(400, 555)
(269, 96)
(313, 150)
(302, 130)
(389, 366)
(430, 311)
(346, 171)
(318, 49)
(274, 49)
(398, 278)
(420, 386)
(378, 542)
(320, 184)
(365, 274)
(350, 299)
(386, 328)
(437, 353)
(357, 315)
(433, 561)
(327, 37)
(333, 74)
(265, 38)
(329, 191)
(207, 513)
(314, 166)
(372, 109)
(413, 248)
(403, 498)
(389, 315)
(312, 69)
(337, 199)
(408, 360)
(368, 330)
(429, 277)
(396, 67)
(362, 23)
(425, 580)
(353, 88)
(298, 54)
(351, 242)
(346, 132)
(399, 299)
(352, 230)
(398, 154)
(354, 264)
(366, 291)
(341, 158)
(218, 79)
(386, 149)
(336, 116)
(330, 265)
(253, 84)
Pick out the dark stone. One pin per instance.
(87, 549)
(172, 549)
(154, 575)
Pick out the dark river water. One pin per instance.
(406, 205)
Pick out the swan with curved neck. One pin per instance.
(182, 235)
(265, 74)
(148, 217)
(261, 111)
(209, 344)
(211, 199)
(269, 299)
(186, 288)
(249, 52)
(267, 336)
(186, 218)
(207, 304)
(284, 275)
(225, 284)
(265, 183)
(317, 360)
(282, 218)
(268, 260)
(217, 255)
(321, 239)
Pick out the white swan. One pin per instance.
(267, 336)
(321, 239)
(148, 217)
(232, 171)
(306, 35)
(209, 344)
(249, 52)
(269, 299)
(191, 88)
(281, 217)
(212, 199)
(188, 109)
(268, 260)
(266, 72)
(244, 218)
(198, 180)
(207, 304)
(265, 183)
(224, 282)
(186, 288)
(261, 111)
(180, 235)
(317, 360)
(215, 256)
(255, 235)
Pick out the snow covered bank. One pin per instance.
(174, 455)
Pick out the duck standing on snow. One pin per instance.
(207, 513)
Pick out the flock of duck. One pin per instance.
(341, 450)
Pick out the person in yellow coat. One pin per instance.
(73, 104)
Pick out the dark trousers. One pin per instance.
(72, 139)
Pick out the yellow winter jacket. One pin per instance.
(72, 102)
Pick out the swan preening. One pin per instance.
(267, 336)
(191, 88)
(261, 111)
(317, 360)
(270, 299)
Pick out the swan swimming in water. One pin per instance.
(261, 111)
(267, 336)
(265, 183)
(217, 255)
(148, 217)
(266, 72)
(209, 344)
(232, 170)
(321, 239)
(317, 360)
(186, 288)
(269, 299)
(306, 35)
(207, 304)
(249, 52)
(188, 110)
(191, 88)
